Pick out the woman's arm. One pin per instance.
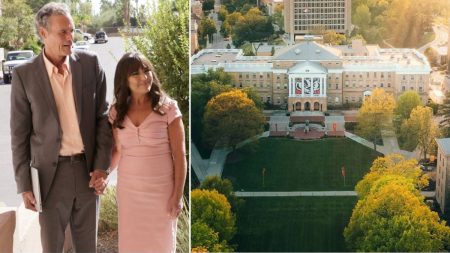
(178, 148)
(115, 151)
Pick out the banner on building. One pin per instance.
(316, 86)
(307, 85)
(298, 86)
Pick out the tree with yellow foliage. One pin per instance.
(230, 118)
(421, 129)
(211, 214)
(393, 164)
(375, 114)
(394, 217)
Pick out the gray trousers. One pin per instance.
(70, 200)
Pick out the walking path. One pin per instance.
(311, 194)
(297, 194)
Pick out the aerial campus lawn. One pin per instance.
(280, 224)
(292, 165)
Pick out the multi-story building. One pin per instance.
(303, 16)
(442, 177)
(311, 76)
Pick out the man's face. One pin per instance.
(58, 36)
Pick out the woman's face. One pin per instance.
(140, 82)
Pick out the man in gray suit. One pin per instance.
(59, 126)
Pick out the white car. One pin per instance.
(82, 45)
(14, 58)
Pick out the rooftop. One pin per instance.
(444, 144)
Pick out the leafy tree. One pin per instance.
(247, 49)
(213, 209)
(207, 27)
(225, 187)
(35, 5)
(202, 236)
(82, 14)
(362, 17)
(165, 41)
(230, 118)
(208, 5)
(16, 24)
(444, 111)
(393, 217)
(225, 29)
(254, 28)
(432, 56)
(406, 103)
(331, 37)
(374, 114)
(222, 14)
(393, 164)
(421, 128)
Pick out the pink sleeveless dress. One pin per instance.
(145, 183)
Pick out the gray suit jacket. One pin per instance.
(35, 129)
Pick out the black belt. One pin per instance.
(72, 158)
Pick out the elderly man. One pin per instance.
(59, 126)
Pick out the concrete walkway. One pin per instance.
(297, 194)
(312, 194)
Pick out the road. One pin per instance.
(109, 54)
(440, 40)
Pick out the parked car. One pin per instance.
(14, 58)
(86, 36)
(101, 37)
(82, 45)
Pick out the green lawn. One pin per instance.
(299, 165)
(293, 224)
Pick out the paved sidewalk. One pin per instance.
(312, 194)
(297, 194)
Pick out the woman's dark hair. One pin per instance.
(128, 64)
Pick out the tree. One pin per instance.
(213, 209)
(207, 27)
(362, 17)
(432, 56)
(204, 237)
(165, 42)
(406, 103)
(421, 128)
(225, 187)
(16, 24)
(393, 217)
(207, 5)
(254, 28)
(222, 14)
(230, 118)
(393, 164)
(444, 111)
(333, 38)
(225, 29)
(374, 114)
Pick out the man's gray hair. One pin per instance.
(52, 8)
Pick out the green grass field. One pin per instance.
(299, 165)
(293, 224)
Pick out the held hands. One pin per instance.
(98, 181)
(174, 207)
(29, 201)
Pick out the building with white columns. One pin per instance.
(311, 76)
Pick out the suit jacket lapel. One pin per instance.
(77, 83)
(43, 80)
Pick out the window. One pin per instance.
(403, 88)
(381, 85)
(337, 86)
(240, 75)
(389, 84)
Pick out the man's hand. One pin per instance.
(98, 181)
(29, 201)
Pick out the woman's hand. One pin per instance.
(174, 206)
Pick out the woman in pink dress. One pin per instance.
(150, 155)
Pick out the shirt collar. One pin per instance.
(50, 67)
